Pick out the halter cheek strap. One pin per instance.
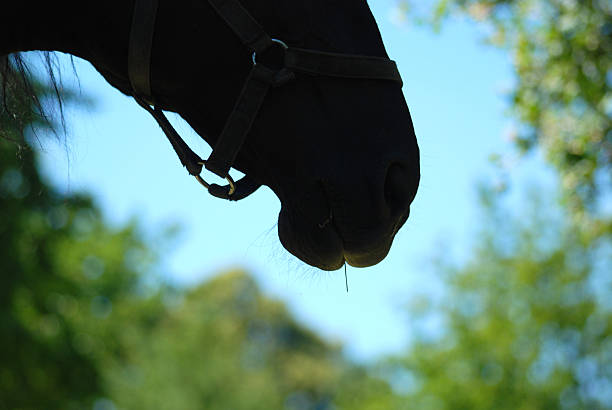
(139, 72)
(254, 91)
(140, 48)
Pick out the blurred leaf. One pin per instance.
(562, 56)
(527, 321)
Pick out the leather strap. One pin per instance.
(190, 160)
(139, 73)
(140, 48)
(341, 65)
(311, 62)
(249, 31)
(245, 186)
(241, 119)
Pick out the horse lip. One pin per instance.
(367, 259)
(371, 257)
(359, 259)
(357, 262)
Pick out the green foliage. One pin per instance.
(61, 268)
(562, 98)
(527, 322)
(224, 345)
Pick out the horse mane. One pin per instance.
(31, 95)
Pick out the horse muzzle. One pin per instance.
(354, 223)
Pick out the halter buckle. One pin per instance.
(231, 184)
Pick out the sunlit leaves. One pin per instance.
(562, 56)
(526, 321)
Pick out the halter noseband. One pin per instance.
(256, 86)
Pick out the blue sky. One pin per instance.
(454, 86)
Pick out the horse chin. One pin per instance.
(366, 259)
(321, 248)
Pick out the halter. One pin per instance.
(260, 79)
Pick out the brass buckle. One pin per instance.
(228, 178)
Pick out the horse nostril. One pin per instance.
(400, 188)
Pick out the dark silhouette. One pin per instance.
(341, 154)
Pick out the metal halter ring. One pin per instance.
(228, 178)
(274, 40)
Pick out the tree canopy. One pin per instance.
(561, 98)
(526, 323)
(62, 268)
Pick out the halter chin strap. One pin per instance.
(254, 91)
